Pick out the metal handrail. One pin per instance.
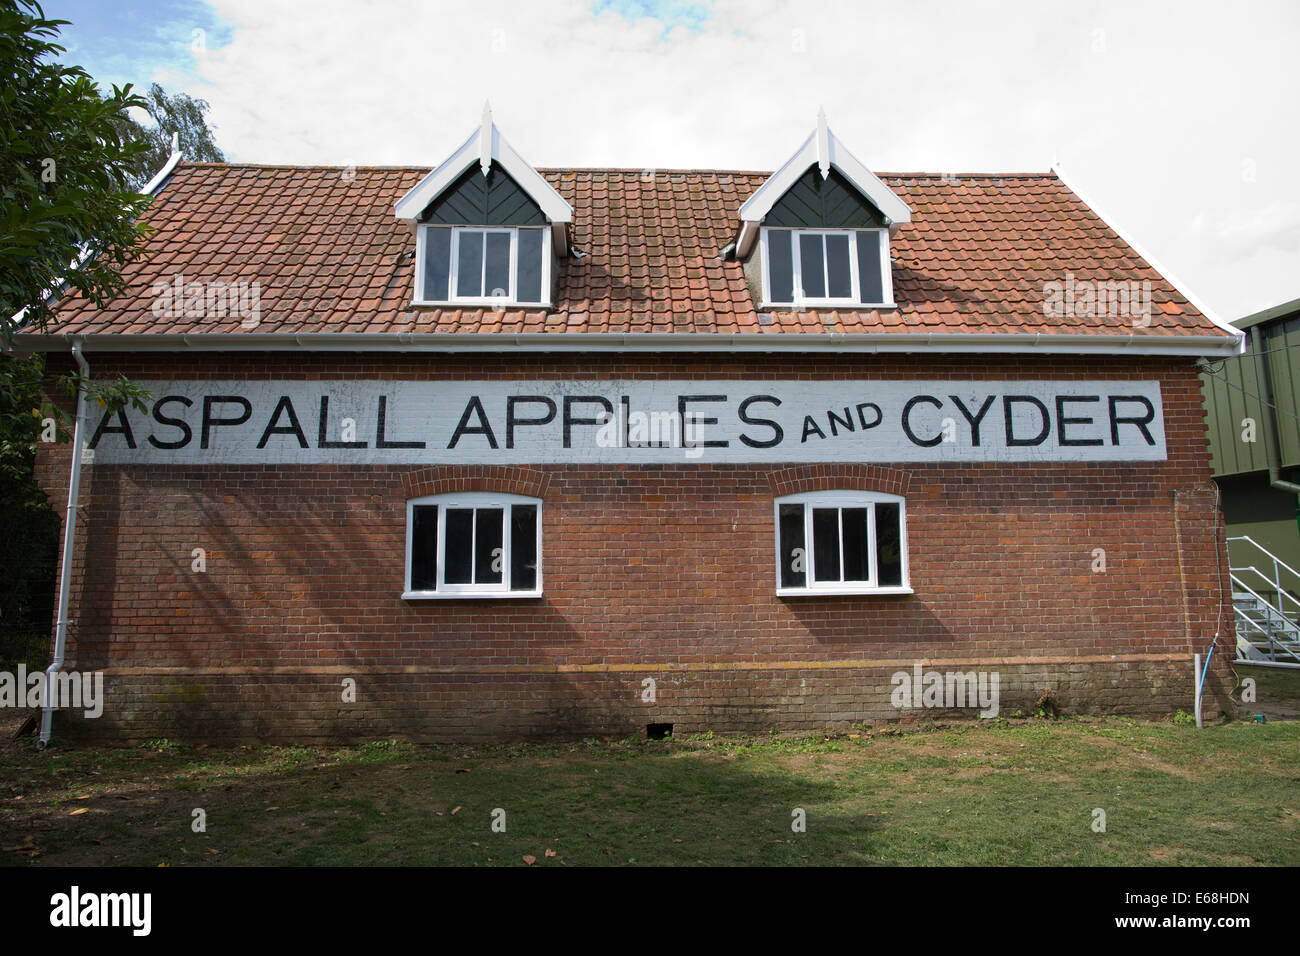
(1260, 598)
(1272, 557)
(1274, 644)
(1276, 647)
(1278, 563)
(1266, 579)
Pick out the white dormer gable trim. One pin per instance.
(486, 146)
(823, 149)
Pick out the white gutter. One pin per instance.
(1168, 276)
(647, 342)
(69, 538)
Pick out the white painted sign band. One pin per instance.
(635, 422)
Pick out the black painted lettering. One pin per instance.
(473, 407)
(187, 433)
(973, 420)
(862, 419)
(697, 420)
(1008, 401)
(321, 440)
(123, 428)
(835, 421)
(513, 419)
(1062, 420)
(777, 432)
(210, 422)
(293, 428)
(381, 426)
(907, 420)
(1141, 422)
(570, 421)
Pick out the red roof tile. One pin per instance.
(330, 256)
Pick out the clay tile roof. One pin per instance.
(329, 256)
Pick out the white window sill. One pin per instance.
(832, 305)
(463, 595)
(497, 305)
(840, 592)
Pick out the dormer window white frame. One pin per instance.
(820, 275)
(485, 148)
(467, 246)
(823, 149)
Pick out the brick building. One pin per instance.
(491, 452)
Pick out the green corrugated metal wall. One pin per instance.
(1283, 340)
(1230, 398)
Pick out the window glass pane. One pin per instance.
(857, 563)
(780, 266)
(458, 541)
(837, 265)
(889, 544)
(523, 548)
(498, 265)
(437, 263)
(424, 548)
(794, 562)
(811, 267)
(528, 276)
(826, 544)
(869, 268)
(469, 263)
(489, 552)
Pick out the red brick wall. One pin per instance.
(650, 571)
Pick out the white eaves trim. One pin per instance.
(825, 150)
(1168, 276)
(1191, 346)
(485, 146)
(168, 166)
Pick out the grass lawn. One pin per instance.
(1005, 792)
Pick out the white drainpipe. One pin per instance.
(65, 566)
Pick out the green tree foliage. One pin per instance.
(178, 113)
(29, 530)
(70, 212)
(70, 215)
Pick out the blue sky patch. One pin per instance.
(672, 13)
(132, 41)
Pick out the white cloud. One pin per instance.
(1275, 225)
(1153, 114)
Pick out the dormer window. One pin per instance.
(816, 233)
(488, 227)
(820, 267)
(476, 265)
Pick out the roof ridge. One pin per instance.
(622, 170)
(329, 166)
(1048, 174)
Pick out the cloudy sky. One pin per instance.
(1177, 120)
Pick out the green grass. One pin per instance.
(999, 793)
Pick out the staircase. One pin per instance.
(1265, 605)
